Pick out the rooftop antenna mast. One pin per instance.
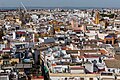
(24, 7)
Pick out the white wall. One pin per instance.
(77, 71)
(2, 46)
(115, 69)
(14, 35)
(78, 78)
(89, 67)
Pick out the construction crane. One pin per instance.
(24, 7)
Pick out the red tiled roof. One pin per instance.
(103, 51)
(65, 48)
(20, 32)
(91, 56)
(81, 57)
(6, 48)
(78, 30)
(53, 64)
(39, 77)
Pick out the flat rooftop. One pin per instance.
(73, 75)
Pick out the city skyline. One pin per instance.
(61, 3)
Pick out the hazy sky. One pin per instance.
(61, 3)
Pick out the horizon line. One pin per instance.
(59, 7)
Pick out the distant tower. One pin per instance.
(74, 23)
(97, 16)
(22, 15)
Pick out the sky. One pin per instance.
(61, 3)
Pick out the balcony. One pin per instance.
(107, 76)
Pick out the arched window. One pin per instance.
(110, 42)
(107, 42)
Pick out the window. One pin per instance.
(110, 42)
(77, 32)
(61, 38)
(109, 70)
(117, 26)
(107, 74)
(81, 78)
(113, 71)
(107, 42)
(6, 62)
(100, 60)
(65, 78)
(91, 78)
